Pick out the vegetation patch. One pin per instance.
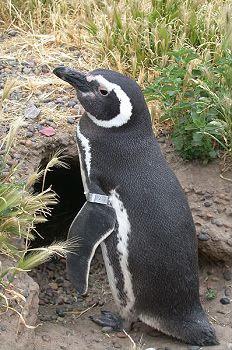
(196, 96)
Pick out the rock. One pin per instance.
(47, 131)
(60, 311)
(207, 204)
(32, 112)
(70, 120)
(227, 275)
(227, 292)
(23, 338)
(225, 301)
(194, 347)
(217, 222)
(29, 134)
(45, 68)
(203, 236)
(107, 329)
(59, 100)
(71, 103)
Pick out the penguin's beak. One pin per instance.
(76, 79)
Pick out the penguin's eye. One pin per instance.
(103, 92)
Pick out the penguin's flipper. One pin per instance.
(92, 225)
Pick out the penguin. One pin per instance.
(135, 210)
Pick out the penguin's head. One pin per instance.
(110, 99)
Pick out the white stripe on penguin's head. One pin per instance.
(125, 104)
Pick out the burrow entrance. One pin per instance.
(58, 298)
(68, 186)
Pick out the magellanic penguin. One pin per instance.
(136, 210)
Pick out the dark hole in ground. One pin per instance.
(67, 184)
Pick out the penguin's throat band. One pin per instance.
(98, 198)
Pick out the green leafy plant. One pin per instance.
(197, 98)
(211, 294)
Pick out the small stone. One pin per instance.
(47, 131)
(217, 222)
(225, 301)
(2, 328)
(70, 120)
(117, 346)
(32, 112)
(107, 329)
(73, 111)
(194, 347)
(29, 134)
(53, 285)
(62, 347)
(227, 292)
(71, 103)
(227, 275)
(207, 204)
(45, 68)
(26, 70)
(59, 100)
(229, 242)
(12, 32)
(60, 311)
(203, 236)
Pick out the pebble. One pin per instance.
(26, 70)
(107, 329)
(29, 134)
(227, 275)
(70, 120)
(2, 328)
(59, 100)
(229, 242)
(227, 292)
(225, 301)
(71, 103)
(32, 112)
(45, 68)
(207, 204)
(60, 311)
(194, 347)
(62, 347)
(217, 222)
(203, 236)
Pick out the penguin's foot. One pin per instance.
(108, 319)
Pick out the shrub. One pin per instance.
(197, 97)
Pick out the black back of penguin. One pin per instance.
(162, 249)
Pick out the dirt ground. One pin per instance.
(63, 317)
